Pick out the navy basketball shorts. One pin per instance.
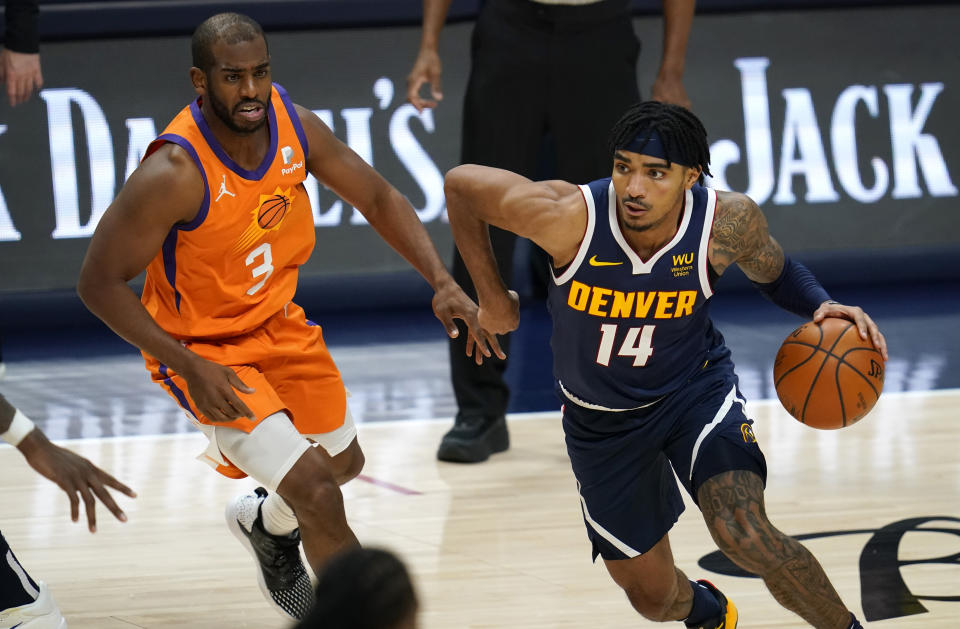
(624, 462)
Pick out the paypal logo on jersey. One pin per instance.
(286, 153)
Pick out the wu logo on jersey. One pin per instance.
(682, 264)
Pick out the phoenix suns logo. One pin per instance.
(266, 216)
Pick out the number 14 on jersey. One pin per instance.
(638, 342)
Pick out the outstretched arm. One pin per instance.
(550, 213)
(391, 215)
(741, 235)
(427, 67)
(75, 475)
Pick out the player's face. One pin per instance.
(238, 85)
(649, 191)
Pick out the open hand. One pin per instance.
(449, 303)
(865, 325)
(75, 475)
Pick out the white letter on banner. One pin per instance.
(843, 137)
(7, 230)
(756, 121)
(63, 161)
(358, 138)
(329, 217)
(906, 128)
(800, 130)
(142, 133)
(416, 160)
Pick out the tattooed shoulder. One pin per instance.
(734, 229)
(740, 234)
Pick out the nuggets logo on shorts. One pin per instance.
(267, 216)
(747, 431)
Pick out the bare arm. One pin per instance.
(391, 215)
(741, 235)
(76, 476)
(551, 213)
(165, 190)
(427, 67)
(677, 20)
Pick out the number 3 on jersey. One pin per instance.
(637, 343)
(265, 268)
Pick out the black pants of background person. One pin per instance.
(566, 70)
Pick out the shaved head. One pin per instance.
(230, 28)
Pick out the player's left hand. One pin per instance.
(75, 475)
(865, 325)
(449, 303)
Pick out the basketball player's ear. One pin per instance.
(693, 175)
(199, 79)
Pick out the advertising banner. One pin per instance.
(839, 123)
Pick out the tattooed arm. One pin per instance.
(740, 235)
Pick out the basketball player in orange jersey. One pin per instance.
(647, 383)
(218, 216)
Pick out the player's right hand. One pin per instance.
(212, 388)
(500, 316)
(426, 69)
(21, 72)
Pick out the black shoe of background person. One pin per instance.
(474, 439)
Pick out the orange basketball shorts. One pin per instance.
(287, 363)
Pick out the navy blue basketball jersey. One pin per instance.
(627, 331)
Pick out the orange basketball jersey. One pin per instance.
(233, 266)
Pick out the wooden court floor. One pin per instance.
(502, 544)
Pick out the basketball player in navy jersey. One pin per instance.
(647, 383)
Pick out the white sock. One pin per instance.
(278, 517)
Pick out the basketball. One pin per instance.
(272, 211)
(826, 376)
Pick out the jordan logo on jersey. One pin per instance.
(223, 190)
(267, 216)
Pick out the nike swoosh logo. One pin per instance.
(595, 262)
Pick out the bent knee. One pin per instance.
(349, 463)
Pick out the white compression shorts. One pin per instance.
(267, 453)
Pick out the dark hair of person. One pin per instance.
(682, 133)
(231, 28)
(362, 588)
